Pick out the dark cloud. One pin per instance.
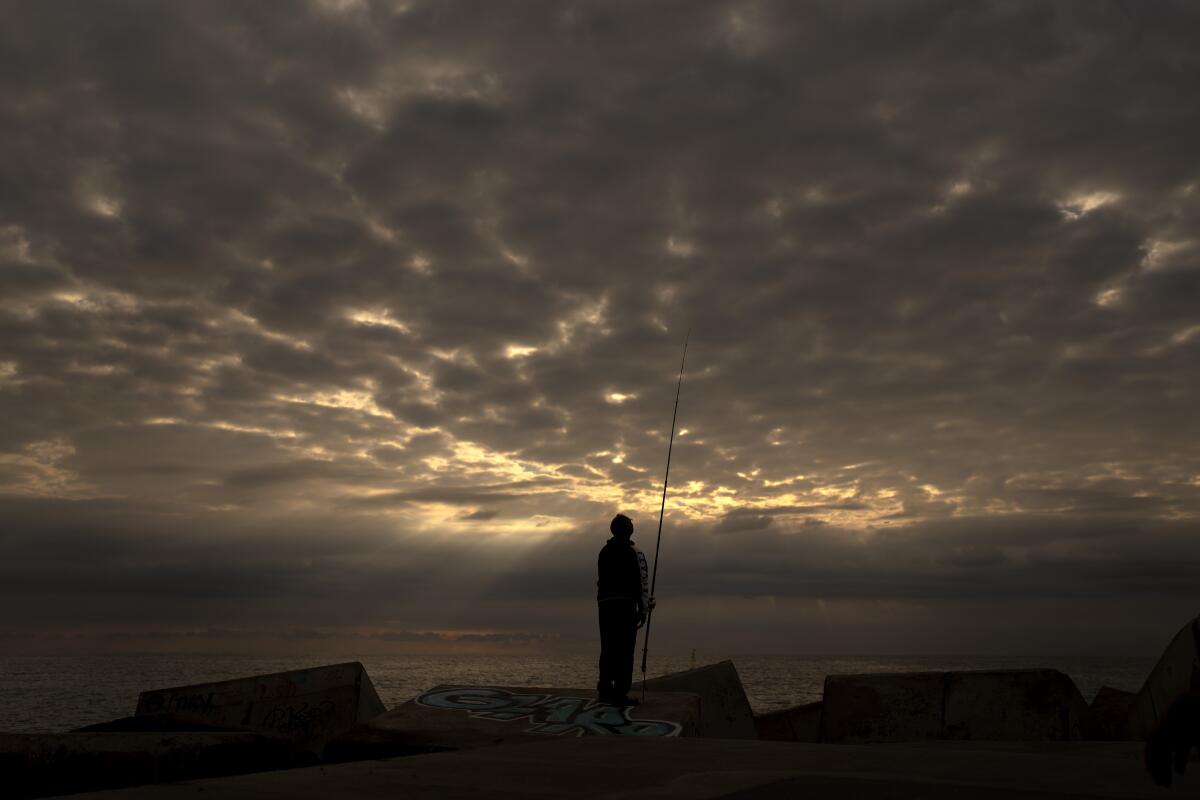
(372, 289)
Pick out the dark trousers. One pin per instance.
(618, 637)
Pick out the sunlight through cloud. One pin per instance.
(1079, 205)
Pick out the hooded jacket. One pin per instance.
(622, 574)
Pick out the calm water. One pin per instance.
(57, 693)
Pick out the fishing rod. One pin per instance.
(661, 510)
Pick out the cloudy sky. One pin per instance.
(350, 324)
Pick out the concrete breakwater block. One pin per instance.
(725, 711)
(307, 706)
(985, 705)
(41, 765)
(1177, 671)
(456, 717)
(1037, 705)
(899, 707)
(795, 724)
(1110, 710)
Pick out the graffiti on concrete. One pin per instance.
(198, 703)
(552, 714)
(301, 719)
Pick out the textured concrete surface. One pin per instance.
(725, 711)
(1041, 705)
(308, 706)
(900, 707)
(1002, 705)
(1110, 712)
(1177, 671)
(36, 765)
(633, 768)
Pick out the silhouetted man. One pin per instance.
(623, 596)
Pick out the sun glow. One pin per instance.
(355, 400)
(378, 318)
(515, 351)
(1079, 205)
(1160, 253)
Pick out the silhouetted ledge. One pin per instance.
(583, 768)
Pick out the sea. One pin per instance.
(46, 694)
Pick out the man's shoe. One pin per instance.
(624, 701)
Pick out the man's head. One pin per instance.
(621, 526)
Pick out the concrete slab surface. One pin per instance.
(474, 716)
(643, 769)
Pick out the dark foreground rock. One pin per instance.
(40, 765)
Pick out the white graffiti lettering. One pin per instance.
(552, 714)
